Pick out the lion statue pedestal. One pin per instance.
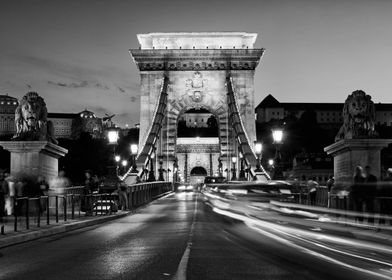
(33, 147)
(356, 143)
(34, 157)
(349, 153)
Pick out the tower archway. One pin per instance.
(209, 73)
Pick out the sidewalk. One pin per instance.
(23, 235)
(11, 237)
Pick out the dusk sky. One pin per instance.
(75, 53)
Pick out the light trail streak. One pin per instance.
(250, 222)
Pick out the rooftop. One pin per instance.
(197, 40)
(271, 102)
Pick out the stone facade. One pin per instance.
(196, 65)
(8, 106)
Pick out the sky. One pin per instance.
(75, 53)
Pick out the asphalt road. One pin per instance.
(181, 237)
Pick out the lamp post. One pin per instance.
(234, 170)
(134, 149)
(242, 170)
(161, 170)
(175, 169)
(151, 174)
(117, 159)
(113, 138)
(258, 151)
(277, 135)
(124, 163)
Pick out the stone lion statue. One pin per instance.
(31, 120)
(358, 117)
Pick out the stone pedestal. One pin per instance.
(34, 157)
(349, 153)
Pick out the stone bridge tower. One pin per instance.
(197, 68)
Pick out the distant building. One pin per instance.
(196, 118)
(62, 123)
(307, 166)
(8, 106)
(87, 121)
(66, 125)
(328, 114)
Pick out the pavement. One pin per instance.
(184, 236)
(12, 238)
(81, 221)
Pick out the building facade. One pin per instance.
(8, 105)
(62, 123)
(65, 125)
(328, 114)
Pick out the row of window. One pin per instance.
(9, 103)
(7, 110)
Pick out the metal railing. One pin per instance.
(139, 194)
(374, 210)
(31, 212)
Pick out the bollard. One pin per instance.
(57, 209)
(96, 208)
(15, 215)
(73, 207)
(80, 203)
(39, 212)
(2, 230)
(47, 211)
(65, 207)
(27, 214)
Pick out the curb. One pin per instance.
(57, 229)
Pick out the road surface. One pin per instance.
(181, 237)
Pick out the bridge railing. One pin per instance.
(142, 193)
(34, 212)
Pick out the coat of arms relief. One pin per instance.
(196, 88)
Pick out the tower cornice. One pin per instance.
(196, 59)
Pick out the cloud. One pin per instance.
(133, 99)
(82, 84)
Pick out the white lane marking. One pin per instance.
(251, 223)
(182, 267)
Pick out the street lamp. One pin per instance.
(175, 169)
(151, 175)
(234, 171)
(258, 151)
(161, 170)
(242, 170)
(134, 149)
(113, 138)
(124, 163)
(277, 135)
(117, 159)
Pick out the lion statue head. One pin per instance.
(31, 119)
(358, 117)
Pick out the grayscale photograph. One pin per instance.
(195, 140)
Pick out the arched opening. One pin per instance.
(198, 171)
(197, 123)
